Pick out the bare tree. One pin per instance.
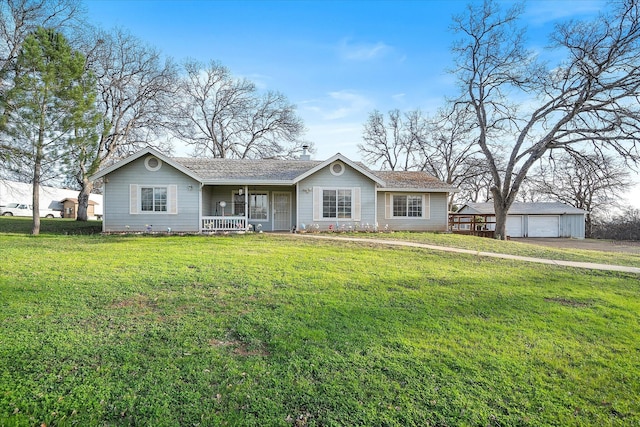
(529, 192)
(449, 151)
(593, 182)
(135, 91)
(225, 117)
(624, 226)
(590, 97)
(477, 187)
(394, 144)
(442, 145)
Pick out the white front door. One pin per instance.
(281, 211)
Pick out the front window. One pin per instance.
(153, 199)
(336, 203)
(259, 206)
(238, 203)
(407, 206)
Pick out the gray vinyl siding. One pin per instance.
(207, 202)
(117, 216)
(572, 226)
(438, 219)
(323, 178)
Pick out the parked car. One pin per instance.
(24, 209)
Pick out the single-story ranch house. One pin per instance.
(541, 219)
(149, 191)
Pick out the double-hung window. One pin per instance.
(406, 205)
(153, 199)
(336, 204)
(259, 206)
(238, 204)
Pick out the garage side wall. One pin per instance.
(572, 226)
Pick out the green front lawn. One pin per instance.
(23, 225)
(266, 330)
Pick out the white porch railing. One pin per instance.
(211, 224)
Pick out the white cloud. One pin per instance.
(542, 12)
(338, 105)
(332, 138)
(362, 51)
(260, 80)
(334, 122)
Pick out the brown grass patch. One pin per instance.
(569, 302)
(240, 348)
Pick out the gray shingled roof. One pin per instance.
(539, 208)
(287, 170)
(412, 179)
(254, 170)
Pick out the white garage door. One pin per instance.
(544, 226)
(514, 226)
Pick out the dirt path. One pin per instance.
(586, 265)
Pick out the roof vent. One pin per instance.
(305, 153)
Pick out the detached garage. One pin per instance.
(535, 219)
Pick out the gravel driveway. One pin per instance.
(592, 244)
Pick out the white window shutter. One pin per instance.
(133, 198)
(426, 207)
(172, 195)
(356, 204)
(388, 211)
(317, 204)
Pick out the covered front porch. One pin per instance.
(237, 208)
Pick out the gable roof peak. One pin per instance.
(338, 156)
(138, 155)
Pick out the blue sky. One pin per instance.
(336, 60)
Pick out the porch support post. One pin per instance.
(246, 206)
(200, 189)
(297, 202)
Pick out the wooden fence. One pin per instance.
(482, 225)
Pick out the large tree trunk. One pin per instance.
(35, 229)
(501, 208)
(37, 173)
(501, 221)
(588, 226)
(83, 199)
